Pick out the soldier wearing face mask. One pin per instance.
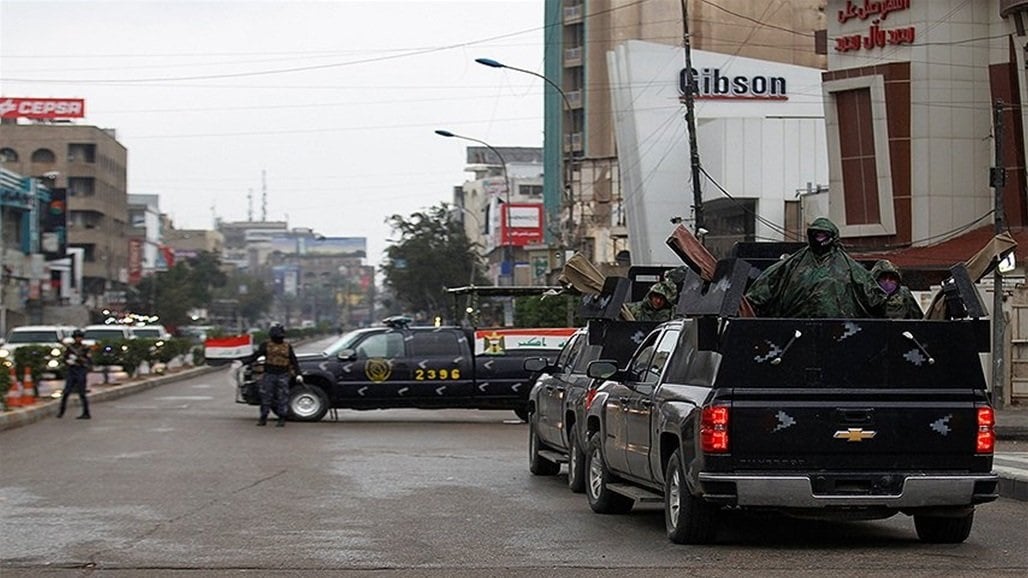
(900, 303)
(819, 280)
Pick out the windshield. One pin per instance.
(102, 334)
(344, 342)
(147, 333)
(41, 336)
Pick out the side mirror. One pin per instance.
(536, 364)
(601, 369)
(346, 355)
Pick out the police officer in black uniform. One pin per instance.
(77, 360)
(279, 364)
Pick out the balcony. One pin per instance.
(574, 14)
(573, 57)
(1008, 7)
(575, 98)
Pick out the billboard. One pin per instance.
(305, 245)
(42, 107)
(521, 224)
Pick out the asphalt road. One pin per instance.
(177, 481)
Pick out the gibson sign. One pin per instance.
(42, 107)
(710, 84)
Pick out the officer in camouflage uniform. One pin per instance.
(279, 364)
(900, 303)
(658, 304)
(819, 280)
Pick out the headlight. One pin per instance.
(55, 352)
(4, 354)
(53, 364)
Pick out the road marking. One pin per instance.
(184, 398)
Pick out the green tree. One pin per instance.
(253, 295)
(171, 294)
(545, 311)
(429, 254)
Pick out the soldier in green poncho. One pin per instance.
(900, 303)
(658, 305)
(819, 280)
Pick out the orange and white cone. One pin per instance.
(14, 391)
(28, 389)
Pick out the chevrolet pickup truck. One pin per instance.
(824, 418)
(397, 365)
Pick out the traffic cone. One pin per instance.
(14, 391)
(28, 389)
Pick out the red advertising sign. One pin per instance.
(135, 261)
(42, 107)
(521, 224)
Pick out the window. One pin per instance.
(435, 344)
(81, 186)
(574, 354)
(661, 353)
(81, 153)
(8, 155)
(530, 190)
(565, 352)
(43, 156)
(388, 345)
(857, 153)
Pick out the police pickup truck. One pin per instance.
(398, 365)
(825, 418)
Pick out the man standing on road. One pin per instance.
(280, 364)
(77, 360)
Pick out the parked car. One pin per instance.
(150, 332)
(53, 336)
(97, 333)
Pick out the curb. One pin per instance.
(1011, 432)
(26, 415)
(1012, 484)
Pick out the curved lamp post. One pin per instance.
(567, 167)
(506, 189)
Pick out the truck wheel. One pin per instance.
(689, 520)
(944, 529)
(307, 403)
(537, 464)
(576, 463)
(522, 413)
(601, 499)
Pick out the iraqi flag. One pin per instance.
(219, 350)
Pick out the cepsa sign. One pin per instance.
(42, 107)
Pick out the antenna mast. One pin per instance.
(264, 197)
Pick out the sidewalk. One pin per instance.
(1012, 423)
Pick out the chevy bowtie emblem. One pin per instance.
(854, 434)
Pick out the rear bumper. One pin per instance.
(797, 491)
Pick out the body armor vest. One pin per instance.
(277, 355)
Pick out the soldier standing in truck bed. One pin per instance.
(819, 280)
(901, 303)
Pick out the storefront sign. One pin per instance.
(525, 226)
(712, 85)
(42, 108)
(877, 36)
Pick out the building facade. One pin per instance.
(580, 144)
(90, 165)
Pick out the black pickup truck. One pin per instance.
(396, 365)
(562, 392)
(829, 418)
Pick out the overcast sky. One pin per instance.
(336, 101)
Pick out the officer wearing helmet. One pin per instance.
(77, 359)
(280, 364)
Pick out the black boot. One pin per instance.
(262, 421)
(281, 422)
(84, 416)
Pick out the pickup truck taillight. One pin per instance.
(714, 429)
(986, 433)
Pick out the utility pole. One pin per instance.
(998, 178)
(690, 119)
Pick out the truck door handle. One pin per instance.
(646, 403)
(624, 402)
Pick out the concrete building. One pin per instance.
(580, 34)
(146, 236)
(502, 211)
(90, 164)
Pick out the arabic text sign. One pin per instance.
(497, 341)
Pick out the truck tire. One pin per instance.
(689, 520)
(522, 413)
(537, 464)
(307, 403)
(576, 463)
(601, 498)
(944, 529)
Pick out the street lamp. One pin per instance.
(567, 167)
(506, 188)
